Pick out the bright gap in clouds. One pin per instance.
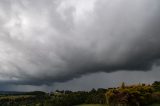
(82, 9)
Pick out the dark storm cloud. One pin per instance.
(46, 41)
(107, 80)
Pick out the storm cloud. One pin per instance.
(48, 41)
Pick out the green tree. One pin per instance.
(123, 85)
(156, 86)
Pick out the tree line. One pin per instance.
(133, 95)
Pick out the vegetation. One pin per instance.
(134, 95)
(58, 98)
(69, 98)
(92, 105)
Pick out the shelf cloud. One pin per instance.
(48, 41)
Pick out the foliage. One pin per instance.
(134, 95)
(156, 86)
(58, 98)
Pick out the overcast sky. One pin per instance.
(78, 44)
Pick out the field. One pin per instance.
(155, 105)
(91, 105)
(107, 105)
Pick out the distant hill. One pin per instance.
(11, 93)
(22, 93)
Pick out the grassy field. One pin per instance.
(91, 105)
(107, 105)
(155, 105)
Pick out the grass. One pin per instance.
(155, 105)
(91, 105)
(15, 97)
(106, 105)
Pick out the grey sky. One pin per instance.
(45, 42)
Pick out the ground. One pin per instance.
(91, 105)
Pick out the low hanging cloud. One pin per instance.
(47, 41)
